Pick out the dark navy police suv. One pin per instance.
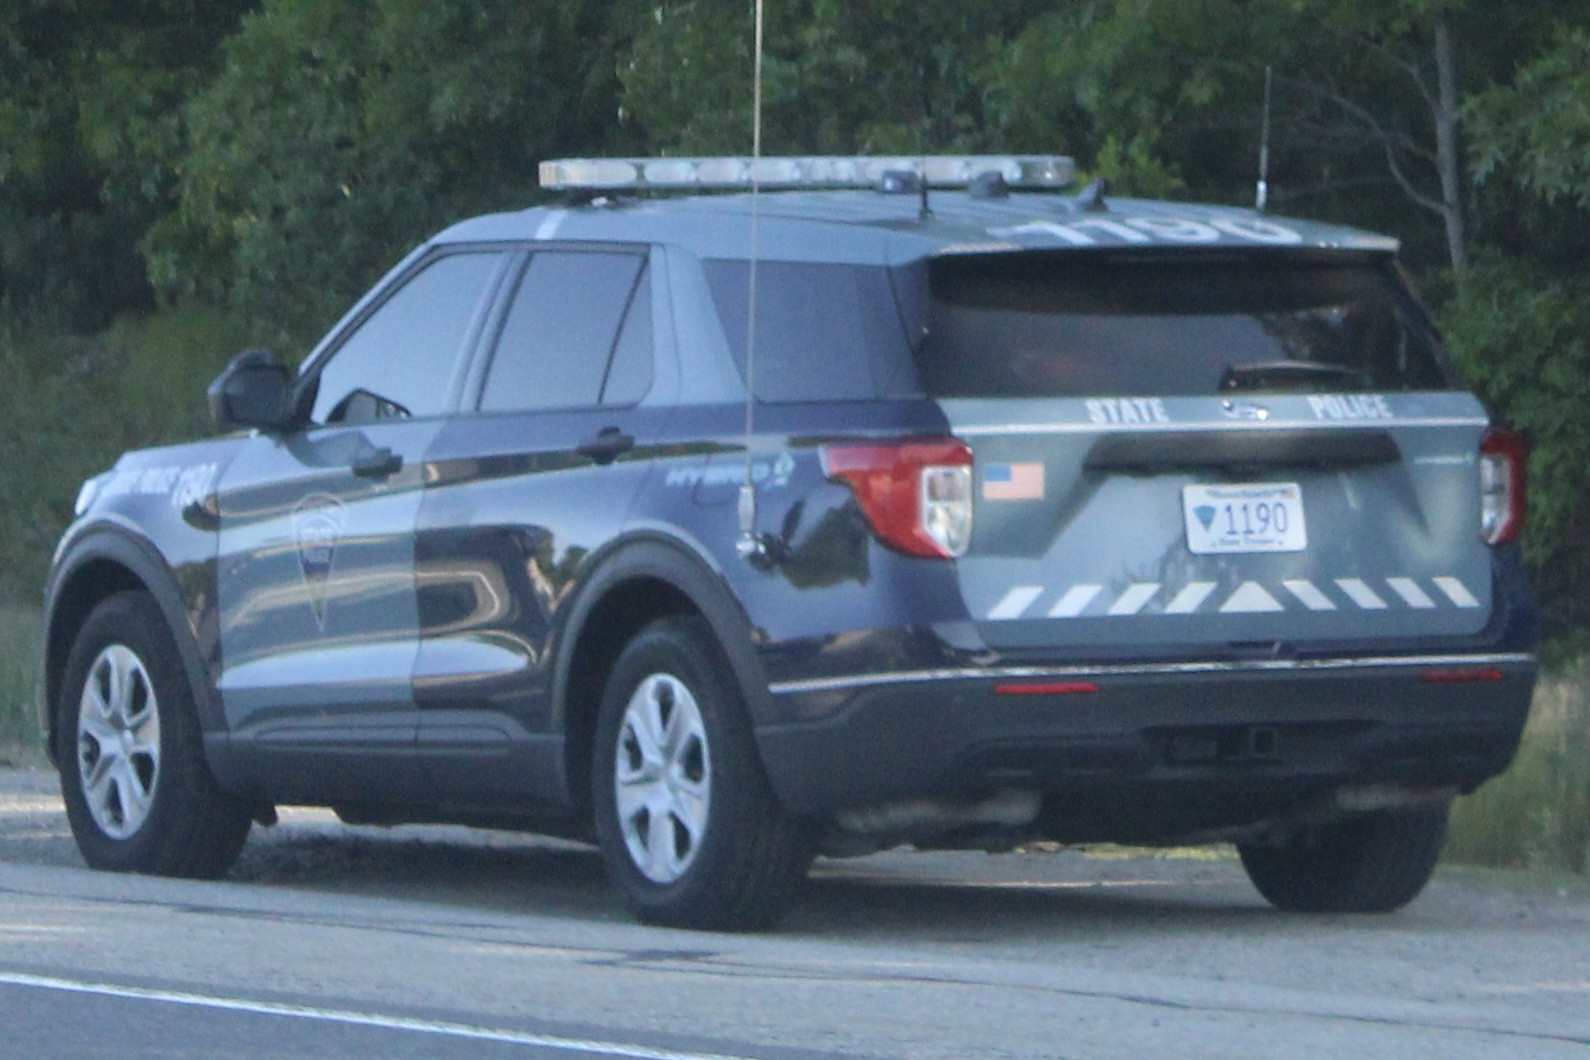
(886, 501)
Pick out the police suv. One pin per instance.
(733, 512)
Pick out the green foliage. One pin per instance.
(89, 93)
(1537, 129)
(837, 78)
(1523, 339)
(72, 405)
(355, 129)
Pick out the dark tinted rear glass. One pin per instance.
(1013, 326)
(824, 332)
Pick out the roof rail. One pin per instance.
(809, 171)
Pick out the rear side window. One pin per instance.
(824, 332)
(1043, 326)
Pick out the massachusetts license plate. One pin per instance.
(1244, 517)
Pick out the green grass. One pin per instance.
(1537, 814)
(71, 405)
(19, 731)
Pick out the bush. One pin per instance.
(1523, 339)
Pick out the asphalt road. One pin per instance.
(331, 941)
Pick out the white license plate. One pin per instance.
(1244, 517)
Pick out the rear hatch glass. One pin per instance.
(1173, 453)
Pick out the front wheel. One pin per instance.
(1373, 863)
(691, 832)
(139, 795)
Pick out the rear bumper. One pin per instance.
(1257, 736)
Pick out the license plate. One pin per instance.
(1244, 517)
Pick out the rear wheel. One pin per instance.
(691, 832)
(139, 795)
(1373, 863)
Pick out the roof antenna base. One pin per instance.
(1092, 198)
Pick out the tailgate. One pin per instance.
(1208, 524)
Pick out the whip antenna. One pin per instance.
(750, 545)
(1262, 192)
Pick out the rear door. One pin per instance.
(517, 495)
(1181, 454)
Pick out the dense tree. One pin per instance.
(354, 129)
(89, 91)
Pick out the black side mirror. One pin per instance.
(255, 390)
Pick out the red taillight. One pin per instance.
(916, 494)
(1503, 458)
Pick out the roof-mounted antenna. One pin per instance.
(751, 546)
(1261, 197)
(1091, 198)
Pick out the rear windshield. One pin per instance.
(1013, 326)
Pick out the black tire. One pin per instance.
(723, 855)
(150, 804)
(1374, 863)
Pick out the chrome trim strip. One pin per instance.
(1006, 673)
(1188, 426)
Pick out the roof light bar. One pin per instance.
(810, 171)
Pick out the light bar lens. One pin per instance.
(809, 171)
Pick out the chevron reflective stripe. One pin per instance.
(1250, 598)
(1187, 601)
(1308, 593)
(1074, 601)
(1091, 600)
(1361, 594)
(1132, 601)
(1456, 591)
(1410, 592)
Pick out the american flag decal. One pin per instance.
(1013, 482)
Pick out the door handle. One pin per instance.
(377, 463)
(609, 444)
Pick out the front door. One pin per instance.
(318, 609)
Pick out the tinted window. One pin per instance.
(561, 331)
(823, 332)
(630, 374)
(1023, 325)
(406, 351)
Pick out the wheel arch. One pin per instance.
(639, 582)
(98, 564)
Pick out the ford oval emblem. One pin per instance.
(1244, 410)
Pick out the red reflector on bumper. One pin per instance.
(1053, 688)
(1452, 677)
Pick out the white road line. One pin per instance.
(1076, 598)
(1015, 602)
(1131, 602)
(359, 1019)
